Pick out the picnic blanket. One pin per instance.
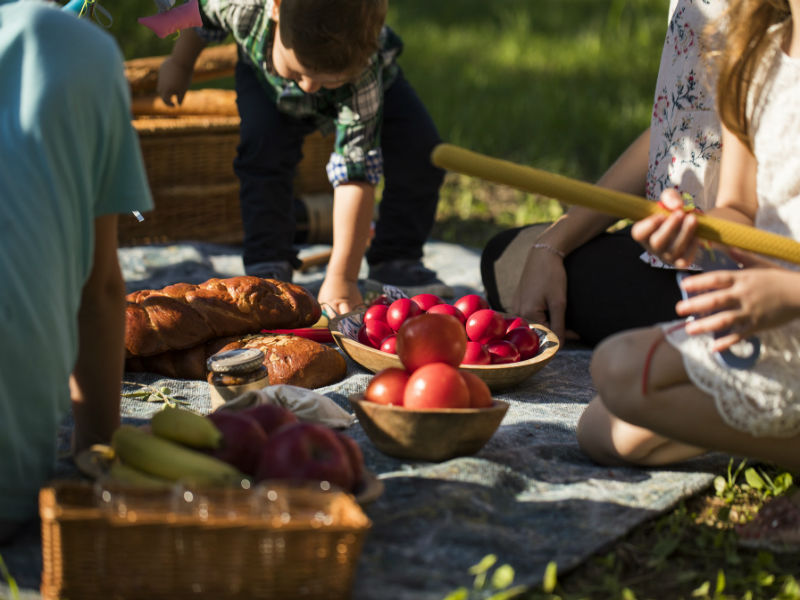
(529, 496)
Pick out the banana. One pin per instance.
(164, 458)
(122, 473)
(186, 427)
(103, 451)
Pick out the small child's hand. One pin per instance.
(173, 80)
(670, 236)
(339, 294)
(740, 302)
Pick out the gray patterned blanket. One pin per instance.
(529, 496)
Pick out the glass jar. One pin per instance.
(234, 372)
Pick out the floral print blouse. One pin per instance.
(684, 130)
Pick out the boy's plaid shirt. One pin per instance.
(354, 111)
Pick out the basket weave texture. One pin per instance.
(155, 553)
(189, 156)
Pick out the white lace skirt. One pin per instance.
(763, 400)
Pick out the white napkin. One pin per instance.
(306, 404)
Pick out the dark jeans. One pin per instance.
(609, 288)
(271, 147)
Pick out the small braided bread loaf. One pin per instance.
(184, 315)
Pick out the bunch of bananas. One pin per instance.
(173, 451)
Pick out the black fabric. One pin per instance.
(407, 208)
(609, 288)
(269, 151)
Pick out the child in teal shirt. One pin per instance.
(71, 163)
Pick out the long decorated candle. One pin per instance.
(619, 204)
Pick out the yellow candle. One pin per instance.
(619, 204)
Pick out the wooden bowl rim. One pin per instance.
(497, 405)
(542, 356)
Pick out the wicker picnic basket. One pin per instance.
(188, 153)
(151, 550)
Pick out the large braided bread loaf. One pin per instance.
(184, 315)
(288, 358)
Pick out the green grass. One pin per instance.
(563, 85)
(689, 553)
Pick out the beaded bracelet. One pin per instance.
(549, 248)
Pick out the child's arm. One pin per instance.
(353, 209)
(671, 236)
(97, 375)
(175, 73)
(542, 289)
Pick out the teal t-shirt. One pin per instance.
(68, 154)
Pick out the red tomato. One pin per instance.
(389, 344)
(382, 299)
(362, 336)
(502, 352)
(425, 301)
(515, 322)
(400, 311)
(479, 394)
(429, 338)
(470, 303)
(526, 341)
(448, 309)
(485, 325)
(387, 386)
(476, 354)
(436, 385)
(377, 331)
(376, 312)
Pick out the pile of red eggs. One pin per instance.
(492, 338)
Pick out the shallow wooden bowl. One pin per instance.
(432, 435)
(344, 330)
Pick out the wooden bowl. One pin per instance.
(344, 330)
(432, 435)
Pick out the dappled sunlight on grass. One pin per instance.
(560, 86)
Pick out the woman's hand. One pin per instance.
(742, 301)
(671, 236)
(541, 296)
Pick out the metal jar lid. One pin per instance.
(241, 360)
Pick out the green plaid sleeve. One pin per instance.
(246, 20)
(357, 153)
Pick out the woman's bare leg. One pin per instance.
(671, 421)
(609, 440)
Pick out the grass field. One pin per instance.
(562, 85)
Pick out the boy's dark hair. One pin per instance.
(332, 36)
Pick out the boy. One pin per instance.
(329, 65)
